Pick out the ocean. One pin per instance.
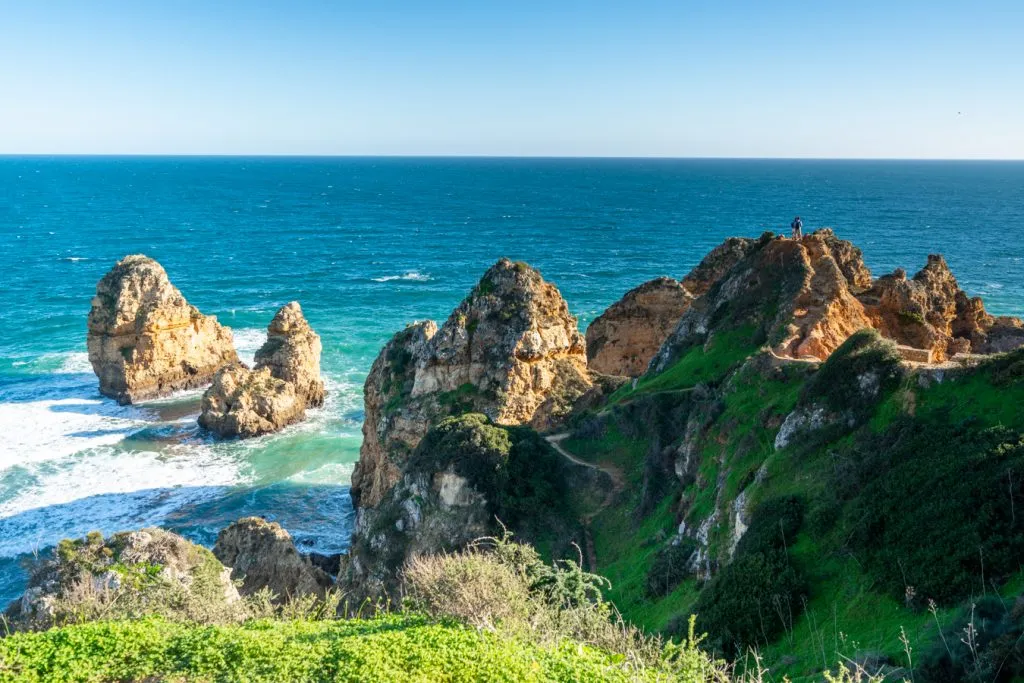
(368, 245)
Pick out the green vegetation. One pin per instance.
(402, 647)
(514, 468)
(905, 506)
(697, 365)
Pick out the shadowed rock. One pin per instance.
(262, 555)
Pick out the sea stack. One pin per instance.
(145, 340)
(511, 350)
(286, 380)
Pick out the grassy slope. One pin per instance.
(390, 648)
(847, 613)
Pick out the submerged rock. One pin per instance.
(292, 353)
(511, 350)
(262, 555)
(246, 403)
(623, 339)
(145, 340)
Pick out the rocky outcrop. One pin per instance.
(145, 340)
(511, 350)
(717, 263)
(292, 354)
(246, 403)
(466, 473)
(623, 339)
(795, 295)
(932, 313)
(150, 571)
(262, 555)
(286, 380)
(392, 424)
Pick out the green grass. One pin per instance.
(697, 365)
(389, 648)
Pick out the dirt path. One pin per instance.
(618, 484)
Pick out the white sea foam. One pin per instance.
(412, 275)
(247, 343)
(110, 491)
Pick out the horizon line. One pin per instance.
(258, 155)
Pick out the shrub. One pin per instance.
(774, 525)
(941, 507)
(750, 601)
(984, 644)
(670, 566)
(855, 375)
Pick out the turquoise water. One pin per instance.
(367, 245)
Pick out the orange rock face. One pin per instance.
(623, 339)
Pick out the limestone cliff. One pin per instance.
(467, 473)
(292, 353)
(623, 339)
(795, 295)
(145, 340)
(932, 313)
(262, 555)
(246, 403)
(510, 350)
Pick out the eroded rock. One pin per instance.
(246, 403)
(129, 574)
(262, 555)
(623, 339)
(145, 340)
(292, 353)
(511, 350)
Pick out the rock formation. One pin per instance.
(286, 380)
(717, 263)
(511, 350)
(796, 295)
(292, 353)
(152, 571)
(261, 554)
(932, 313)
(623, 339)
(246, 403)
(145, 340)
(466, 473)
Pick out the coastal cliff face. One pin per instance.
(511, 350)
(286, 380)
(623, 339)
(145, 340)
(262, 555)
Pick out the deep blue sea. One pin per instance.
(367, 245)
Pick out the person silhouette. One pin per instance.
(798, 228)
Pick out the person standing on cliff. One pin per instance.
(798, 228)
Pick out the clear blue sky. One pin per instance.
(857, 78)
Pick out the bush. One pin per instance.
(751, 601)
(774, 525)
(984, 644)
(941, 509)
(855, 375)
(670, 566)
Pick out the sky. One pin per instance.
(684, 78)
